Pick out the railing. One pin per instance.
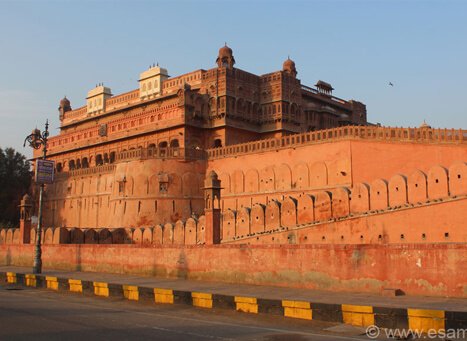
(122, 98)
(162, 153)
(316, 92)
(75, 114)
(420, 135)
(109, 168)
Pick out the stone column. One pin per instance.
(25, 220)
(212, 211)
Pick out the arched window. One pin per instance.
(112, 157)
(174, 143)
(72, 165)
(163, 148)
(217, 143)
(78, 164)
(59, 167)
(99, 160)
(106, 158)
(85, 163)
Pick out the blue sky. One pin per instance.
(49, 49)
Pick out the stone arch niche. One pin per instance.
(273, 215)
(340, 202)
(300, 176)
(305, 209)
(3, 236)
(48, 236)
(9, 236)
(242, 226)
(379, 195)
(289, 212)
(323, 207)
(167, 234)
(16, 236)
(360, 198)
(397, 190)
(417, 187)
(190, 232)
(318, 175)
(153, 184)
(76, 236)
(137, 237)
(225, 181)
(283, 177)
(91, 236)
(437, 182)
(147, 235)
(257, 218)
(105, 237)
(458, 178)
(179, 233)
(267, 179)
(201, 230)
(61, 236)
(118, 235)
(157, 234)
(251, 181)
(339, 172)
(228, 224)
(237, 182)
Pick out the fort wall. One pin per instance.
(415, 269)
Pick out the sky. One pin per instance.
(49, 49)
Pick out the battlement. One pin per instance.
(387, 134)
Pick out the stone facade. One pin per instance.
(168, 124)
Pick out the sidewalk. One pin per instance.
(353, 308)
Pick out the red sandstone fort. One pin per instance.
(232, 168)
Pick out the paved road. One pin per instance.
(27, 314)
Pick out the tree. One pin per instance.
(15, 179)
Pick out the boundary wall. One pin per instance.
(416, 269)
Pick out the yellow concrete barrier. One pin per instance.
(358, 315)
(246, 304)
(101, 289)
(131, 292)
(297, 309)
(30, 280)
(52, 282)
(75, 285)
(422, 320)
(201, 299)
(11, 277)
(163, 295)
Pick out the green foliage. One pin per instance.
(15, 178)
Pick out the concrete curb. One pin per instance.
(421, 320)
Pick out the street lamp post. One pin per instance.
(37, 140)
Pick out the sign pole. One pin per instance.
(44, 174)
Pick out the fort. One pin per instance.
(224, 175)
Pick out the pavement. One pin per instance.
(27, 313)
(359, 309)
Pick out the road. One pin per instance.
(27, 313)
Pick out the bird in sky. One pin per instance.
(391, 84)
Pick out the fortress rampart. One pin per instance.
(404, 209)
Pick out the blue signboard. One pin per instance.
(45, 171)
